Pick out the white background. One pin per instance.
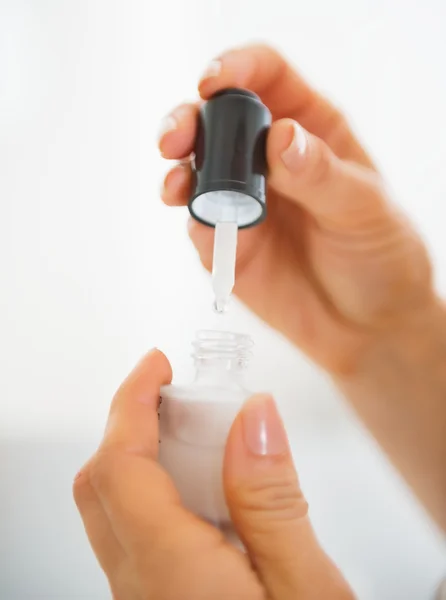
(94, 270)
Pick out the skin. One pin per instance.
(151, 548)
(339, 271)
(335, 267)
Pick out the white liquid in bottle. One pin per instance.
(223, 267)
(195, 420)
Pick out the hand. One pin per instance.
(151, 547)
(334, 265)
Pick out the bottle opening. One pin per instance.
(212, 346)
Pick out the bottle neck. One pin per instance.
(218, 372)
(221, 357)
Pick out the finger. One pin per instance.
(338, 194)
(177, 185)
(170, 549)
(270, 512)
(133, 420)
(265, 71)
(177, 133)
(106, 547)
(138, 497)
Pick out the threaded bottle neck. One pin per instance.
(221, 351)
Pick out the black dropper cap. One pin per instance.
(230, 156)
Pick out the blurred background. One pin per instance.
(95, 271)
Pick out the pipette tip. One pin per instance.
(221, 305)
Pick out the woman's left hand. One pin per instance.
(151, 547)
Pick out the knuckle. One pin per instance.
(337, 121)
(271, 50)
(102, 467)
(82, 487)
(277, 497)
(337, 127)
(79, 488)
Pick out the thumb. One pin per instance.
(269, 510)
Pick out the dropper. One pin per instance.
(229, 191)
(223, 265)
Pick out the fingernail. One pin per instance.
(292, 156)
(263, 430)
(78, 475)
(212, 70)
(169, 123)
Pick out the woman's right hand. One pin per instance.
(334, 265)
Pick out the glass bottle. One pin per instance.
(195, 420)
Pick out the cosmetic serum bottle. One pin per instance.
(195, 420)
(229, 193)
